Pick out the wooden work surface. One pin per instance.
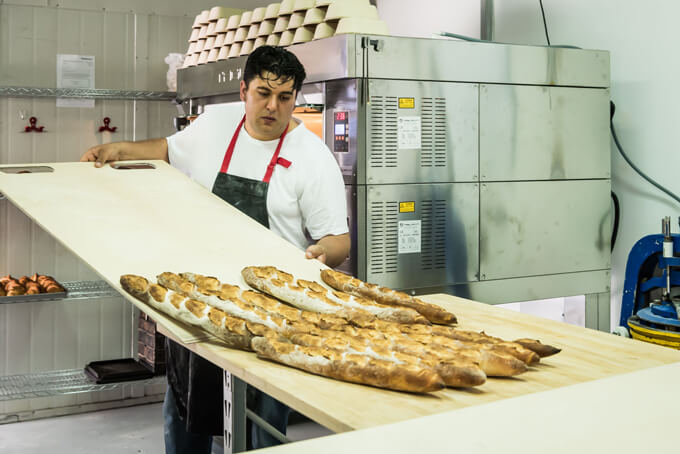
(148, 221)
(628, 413)
(587, 355)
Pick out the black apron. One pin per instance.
(197, 384)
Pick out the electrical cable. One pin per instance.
(630, 163)
(545, 25)
(617, 215)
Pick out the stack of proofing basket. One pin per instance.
(217, 36)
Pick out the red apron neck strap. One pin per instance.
(275, 158)
(232, 145)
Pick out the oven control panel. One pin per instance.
(341, 131)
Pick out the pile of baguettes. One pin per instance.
(356, 332)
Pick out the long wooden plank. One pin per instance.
(146, 222)
(149, 221)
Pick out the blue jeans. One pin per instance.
(272, 411)
(177, 439)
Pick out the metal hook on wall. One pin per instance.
(32, 127)
(106, 126)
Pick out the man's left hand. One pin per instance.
(316, 251)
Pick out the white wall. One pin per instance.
(423, 18)
(642, 38)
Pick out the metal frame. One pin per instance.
(74, 290)
(59, 382)
(236, 413)
(91, 93)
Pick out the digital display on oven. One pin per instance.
(341, 131)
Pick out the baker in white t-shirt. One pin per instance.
(260, 159)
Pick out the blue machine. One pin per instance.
(648, 308)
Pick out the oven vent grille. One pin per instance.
(433, 146)
(383, 132)
(384, 237)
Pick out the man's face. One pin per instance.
(269, 106)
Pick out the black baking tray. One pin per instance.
(117, 370)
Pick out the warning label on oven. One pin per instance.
(409, 237)
(409, 133)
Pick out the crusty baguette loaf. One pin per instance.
(268, 282)
(263, 301)
(386, 296)
(493, 363)
(231, 330)
(232, 306)
(456, 372)
(542, 350)
(348, 367)
(467, 339)
(310, 295)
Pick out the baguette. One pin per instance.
(386, 296)
(313, 296)
(542, 350)
(348, 367)
(232, 331)
(281, 285)
(456, 372)
(232, 306)
(263, 301)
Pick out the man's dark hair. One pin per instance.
(283, 64)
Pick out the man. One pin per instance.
(275, 171)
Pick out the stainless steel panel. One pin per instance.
(441, 249)
(538, 228)
(529, 288)
(543, 133)
(213, 79)
(349, 266)
(446, 60)
(338, 57)
(421, 132)
(392, 57)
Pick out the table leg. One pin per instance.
(234, 414)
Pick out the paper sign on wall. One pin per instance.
(409, 132)
(409, 237)
(75, 71)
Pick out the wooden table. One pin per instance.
(587, 355)
(149, 221)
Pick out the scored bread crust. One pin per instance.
(383, 295)
(232, 331)
(456, 372)
(263, 301)
(348, 367)
(313, 296)
(542, 350)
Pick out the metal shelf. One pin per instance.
(55, 383)
(90, 93)
(74, 290)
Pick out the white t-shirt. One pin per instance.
(310, 194)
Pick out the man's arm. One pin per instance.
(127, 151)
(331, 249)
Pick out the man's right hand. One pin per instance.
(101, 154)
(127, 151)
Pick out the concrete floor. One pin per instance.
(137, 430)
